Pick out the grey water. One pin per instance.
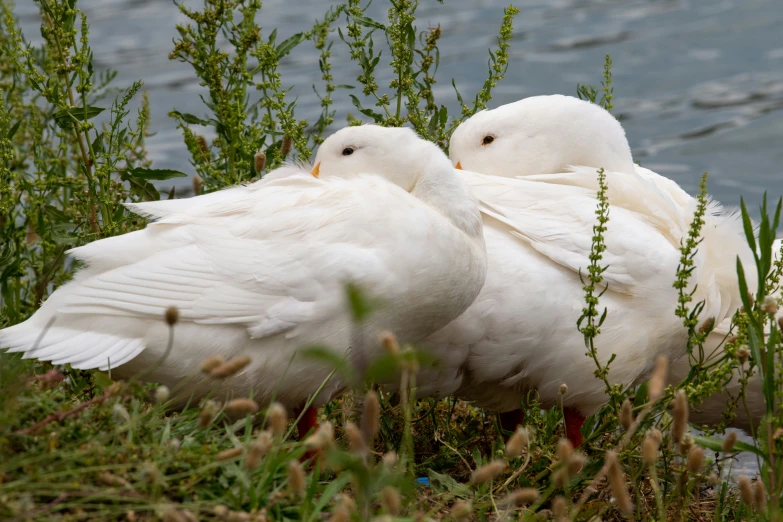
(698, 84)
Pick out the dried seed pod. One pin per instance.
(162, 394)
(208, 412)
(371, 416)
(746, 492)
(296, 478)
(707, 325)
(197, 185)
(390, 459)
(462, 510)
(564, 449)
(770, 305)
(228, 454)
(355, 439)
(626, 414)
(729, 441)
(521, 497)
(391, 500)
(680, 414)
(232, 367)
(210, 363)
(617, 484)
(743, 354)
(575, 463)
(277, 418)
(259, 161)
(112, 480)
(759, 496)
(488, 472)
(658, 379)
(285, 147)
(695, 459)
(517, 444)
(650, 450)
(239, 408)
(390, 344)
(171, 315)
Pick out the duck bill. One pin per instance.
(458, 166)
(316, 170)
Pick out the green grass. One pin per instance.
(75, 445)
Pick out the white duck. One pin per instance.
(538, 160)
(259, 270)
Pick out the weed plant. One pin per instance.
(74, 445)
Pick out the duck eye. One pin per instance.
(487, 140)
(347, 151)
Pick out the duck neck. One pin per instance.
(440, 187)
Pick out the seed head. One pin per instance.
(706, 326)
(656, 434)
(355, 439)
(729, 442)
(780, 323)
(322, 438)
(575, 462)
(197, 185)
(162, 394)
(746, 492)
(770, 305)
(390, 459)
(650, 450)
(228, 454)
(658, 379)
(521, 497)
(277, 419)
(563, 389)
(296, 478)
(172, 315)
(391, 500)
(390, 344)
(202, 144)
(617, 484)
(208, 413)
(517, 444)
(759, 496)
(743, 354)
(257, 451)
(713, 479)
(210, 363)
(680, 414)
(285, 147)
(559, 506)
(239, 408)
(685, 445)
(232, 367)
(626, 414)
(488, 472)
(371, 416)
(119, 414)
(695, 459)
(564, 449)
(462, 510)
(259, 162)
(112, 480)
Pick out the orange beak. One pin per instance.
(458, 167)
(315, 170)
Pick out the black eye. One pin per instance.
(347, 151)
(488, 140)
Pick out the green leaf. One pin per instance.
(367, 112)
(13, 130)
(448, 484)
(159, 174)
(56, 215)
(286, 47)
(65, 117)
(97, 145)
(143, 188)
(716, 444)
(189, 118)
(368, 22)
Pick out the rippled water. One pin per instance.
(699, 85)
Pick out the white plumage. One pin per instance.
(260, 270)
(538, 160)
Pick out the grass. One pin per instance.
(76, 445)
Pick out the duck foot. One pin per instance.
(573, 423)
(306, 426)
(509, 420)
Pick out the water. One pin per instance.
(699, 85)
